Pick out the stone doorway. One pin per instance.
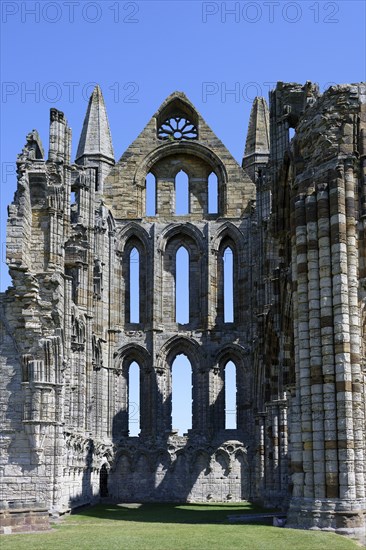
(103, 481)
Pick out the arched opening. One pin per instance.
(212, 193)
(181, 194)
(182, 286)
(228, 258)
(230, 396)
(103, 481)
(181, 394)
(134, 399)
(150, 196)
(134, 286)
(74, 206)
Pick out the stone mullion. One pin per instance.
(342, 336)
(168, 286)
(163, 399)
(244, 300)
(165, 192)
(157, 272)
(203, 406)
(217, 401)
(157, 275)
(220, 286)
(205, 380)
(327, 340)
(149, 283)
(304, 345)
(195, 287)
(204, 274)
(212, 375)
(317, 405)
(351, 199)
(198, 203)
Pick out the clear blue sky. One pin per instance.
(139, 52)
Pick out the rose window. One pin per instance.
(177, 128)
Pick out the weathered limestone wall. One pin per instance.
(124, 188)
(294, 219)
(317, 235)
(186, 472)
(206, 340)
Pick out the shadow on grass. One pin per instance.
(171, 513)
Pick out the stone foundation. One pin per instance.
(344, 517)
(23, 520)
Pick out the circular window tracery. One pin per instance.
(177, 128)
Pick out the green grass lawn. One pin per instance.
(171, 527)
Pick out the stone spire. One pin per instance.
(96, 140)
(257, 144)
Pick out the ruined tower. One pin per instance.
(292, 219)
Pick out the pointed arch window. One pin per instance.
(230, 396)
(213, 197)
(150, 195)
(134, 399)
(181, 394)
(228, 258)
(181, 194)
(182, 286)
(134, 286)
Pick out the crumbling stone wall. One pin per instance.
(317, 234)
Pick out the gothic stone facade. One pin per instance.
(294, 217)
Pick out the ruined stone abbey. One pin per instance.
(293, 218)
